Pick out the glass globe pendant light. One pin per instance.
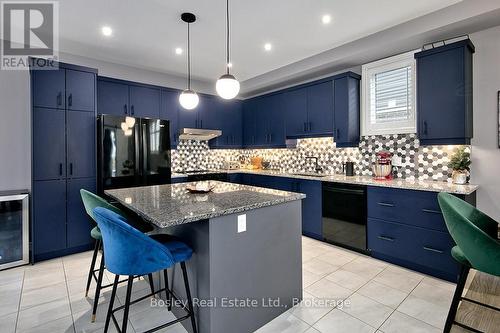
(188, 98)
(227, 86)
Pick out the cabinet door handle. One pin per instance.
(338, 134)
(59, 99)
(305, 127)
(427, 248)
(70, 100)
(201, 123)
(310, 126)
(385, 238)
(71, 169)
(132, 110)
(60, 169)
(270, 137)
(125, 109)
(425, 127)
(432, 211)
(385, 204)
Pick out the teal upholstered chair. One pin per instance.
(130, 252)
(478, 247)
(91, 201)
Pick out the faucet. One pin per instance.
(317, 167)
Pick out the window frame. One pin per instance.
(368, 71)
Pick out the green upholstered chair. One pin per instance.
(478, 247)
(91, 201)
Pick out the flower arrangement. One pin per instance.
(460, 164)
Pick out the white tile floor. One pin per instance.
(378, 297)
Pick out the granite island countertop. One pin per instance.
(172, 204)
(420, 185)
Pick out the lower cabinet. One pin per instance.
(60, 224)
(417, 248)
(406, 227)
(79, 223)
(49, 216)
(311, 205)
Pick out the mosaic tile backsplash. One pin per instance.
(418, 162)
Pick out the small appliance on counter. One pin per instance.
(348, 168)
(230, 165)
(382, 168)
(256, 162)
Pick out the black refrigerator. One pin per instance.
(132, 152)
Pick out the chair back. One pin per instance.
(91, 201)
(474, 232)
(129, 251)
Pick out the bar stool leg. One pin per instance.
(188, 295)
(462, 279)
(127, 303)
(98, 288)
(151, 285)
(165, 277)
(92, 265)
(111, 302)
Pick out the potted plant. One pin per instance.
(460, 164)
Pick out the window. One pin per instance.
(389, 88)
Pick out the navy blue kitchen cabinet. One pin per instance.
(228, 115)
(63, 161)
(249, 122)
(80, 131)
(170, 111)
(112, 98)
(406, 227)
(80, 90)
(295, 112)
(444, 94)
(144, 101)
(311, 205)
(49, 217)
(51, 91)
(346, 105)
(49, 144)
(127, 98)
(320, 109)
(266, 124)
(78, 223)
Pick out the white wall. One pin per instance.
(15, 139)
(485, 169)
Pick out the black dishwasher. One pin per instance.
(344, 215)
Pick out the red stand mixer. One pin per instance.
(382, 168)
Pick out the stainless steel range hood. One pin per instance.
(198, 134)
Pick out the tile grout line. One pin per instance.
(19, 304)
(69, 299)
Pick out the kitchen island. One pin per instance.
(247, 267)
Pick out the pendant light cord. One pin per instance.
(189, 60)
(227, 38)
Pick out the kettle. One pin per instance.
(348, 168)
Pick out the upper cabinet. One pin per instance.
(71, 89)
(130, 99)
(263, 122)
(346, 110)
(229, 120)
(444, 94)
(328, 107)
(169, 110)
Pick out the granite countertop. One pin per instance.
(170, 205)
(421, 185)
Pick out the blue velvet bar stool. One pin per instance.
(130, 252)
(91, 201)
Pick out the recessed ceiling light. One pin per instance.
(178, 51)
(107, 31)
(326, 19)
(268, 46)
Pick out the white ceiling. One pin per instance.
(146, 33)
